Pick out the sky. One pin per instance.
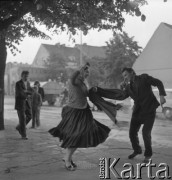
(156, 11)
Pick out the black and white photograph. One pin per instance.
(85, 89)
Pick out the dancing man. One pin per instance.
(138, 87)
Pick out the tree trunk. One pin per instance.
(4, 24)
(3, 56)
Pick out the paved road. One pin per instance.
(39, 158)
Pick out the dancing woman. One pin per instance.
(78, 128)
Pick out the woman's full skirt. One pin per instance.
(78, 129)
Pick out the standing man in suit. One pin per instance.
(138, 87)
(23, 93)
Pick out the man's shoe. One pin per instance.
(18, 129)
(131, 156)
(32, 127)
(25, 138)
(147, 159)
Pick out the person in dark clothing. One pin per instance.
(23, 93)
(40, 90)
(36, 105)
(138, 87)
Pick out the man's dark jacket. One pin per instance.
(22, 98)
(145, 101)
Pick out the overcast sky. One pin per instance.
(156, 12)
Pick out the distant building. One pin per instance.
(70, 54)
(38, 70)
(13, 74)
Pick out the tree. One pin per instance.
(122, 51)
(97, 72)
(22, 17)
(56, 68)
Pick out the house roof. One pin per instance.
(87, 50)
(71, 54)
(61, 49)
(92, 51)
(156, 58)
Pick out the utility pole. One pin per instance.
(81, 48)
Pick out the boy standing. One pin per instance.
(36, 105)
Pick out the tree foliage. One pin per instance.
(97, 73)
(23, 17)
(56, 68)
(122, 51)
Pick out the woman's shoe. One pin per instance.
(71, 167)
(73, 164)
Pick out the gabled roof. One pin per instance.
(168, 25)
(69, 53)
(93, 51)
(158, 52)
(61, 49)
(156, 58)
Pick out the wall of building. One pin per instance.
(40, 58)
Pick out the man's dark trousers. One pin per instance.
(25, 115)
(135, 125)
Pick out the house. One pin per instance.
(38, 70)
(156, 58)
(71, 54)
